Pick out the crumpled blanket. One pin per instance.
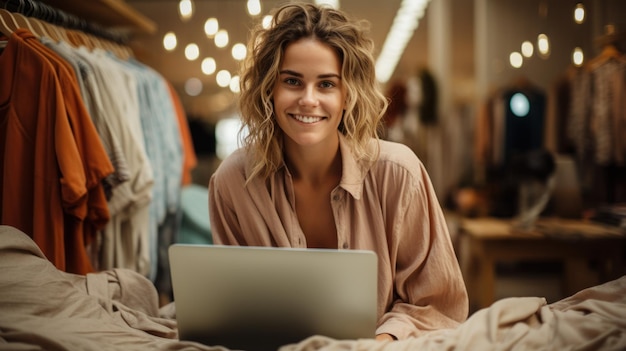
(42, 308)
(592, 319)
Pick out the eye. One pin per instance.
(327, 84)
(292, 81)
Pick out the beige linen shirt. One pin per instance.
(387, 206)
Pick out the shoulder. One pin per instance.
(397, 155)
(231, 171)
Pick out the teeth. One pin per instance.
(307, 119)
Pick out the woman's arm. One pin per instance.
(429, 291)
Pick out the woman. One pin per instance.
(314, 174)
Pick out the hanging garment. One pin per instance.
(53, 162)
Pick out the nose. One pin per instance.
(309, 97)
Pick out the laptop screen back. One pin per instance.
(261, 298)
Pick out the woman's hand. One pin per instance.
(385, 337)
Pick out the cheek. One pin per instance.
(281, 100)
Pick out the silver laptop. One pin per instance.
(261, 298)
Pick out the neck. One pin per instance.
(314, 165)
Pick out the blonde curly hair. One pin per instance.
(365, 103)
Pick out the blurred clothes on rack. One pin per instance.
(587, 120)
(97, 148)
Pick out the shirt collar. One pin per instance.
(353, 171)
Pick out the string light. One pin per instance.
(193, 86)
(192, 52)
(208, 66)
(516, 59)
(169, 41)
(221, 38)
(234, 84)
(239, 51)
(223, 78)
(254, 7)
(527, 49)
(579, 13)
(185, 9)
(578, 57)
(211, 26)
(267, 21)
(543, 45)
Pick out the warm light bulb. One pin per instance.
(579, 13)
(254, 7)
(193, 86)
(223, 78)
(239, 51)
(527, 49)
(211, 26)
(267, 21)
(169, 41)
(543, 45)
(516, 59)
(221, 38)
(208, 66)
(185, 9)
(578, 57)
(234, 84)
(192, 52)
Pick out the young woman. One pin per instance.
(314, 174)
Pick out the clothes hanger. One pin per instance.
(31, 12)
(23, 22)
(7, 22)
(609, 49)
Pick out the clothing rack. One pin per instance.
(52, 15)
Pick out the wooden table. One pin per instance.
(488, 241)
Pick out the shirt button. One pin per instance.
(336, 197)
(346, 245)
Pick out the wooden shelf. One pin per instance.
(112, 14)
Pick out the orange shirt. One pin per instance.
(53, 161)
(190, 159)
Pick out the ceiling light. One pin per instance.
(192, 52)
(169, 41)
(223, 78)
(193, 86)
(221, 38)
(254, 7)
(578, 57)
(208, 66)
(185, 9)
(516, 59)
(527, 49)
(404, 24)
(267, 21)
(543, 45)
(332, 3)
(239, 51)
(579, 13)
(211, 27)
(234, 84)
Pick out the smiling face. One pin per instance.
(309, 95)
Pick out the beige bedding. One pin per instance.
(42, 308)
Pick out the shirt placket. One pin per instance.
(338, 198)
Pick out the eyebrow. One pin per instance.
(293, 73)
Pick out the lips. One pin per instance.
(307, 119)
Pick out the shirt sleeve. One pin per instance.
(429, 291)
(225, 192)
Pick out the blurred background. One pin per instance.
(515, 107)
